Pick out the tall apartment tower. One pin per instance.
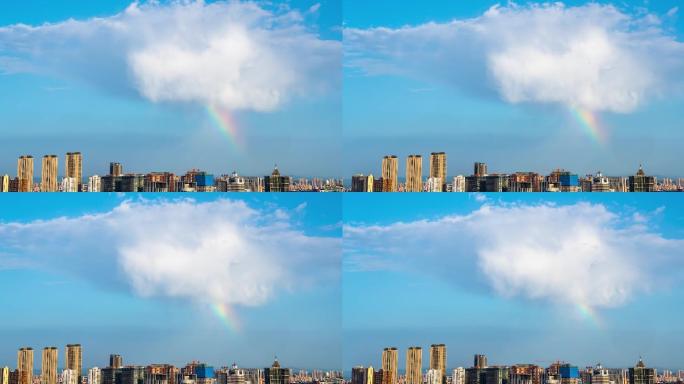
(390, 173)
(390, 363)
(73, 359)
(438, 167)
(414, 173)
(480, 361)
(48, 366)
(48, 174)
(25, 173)
(115, 169)
(25, 365)
(414, 365)
(115, 361)
(480, 169)
(74, 168)
(438, 358)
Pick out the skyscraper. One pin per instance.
(94, 375)
(414, 365)
(25, 365)
(115, 169)
(438, 167)
(480, 169)
(362, 183)
(390, 363)
(48, 174)
(640, 374)
(362, 375)
(115, 361)
(414, 173)
(390, 172)
(73, 358)
(48, 366)
(69, 376)
(433, 376)
(276, 183)
(480, 361)
(438, 359)
(25, 173)
(277, 375)
(74, 168)
(641, 182)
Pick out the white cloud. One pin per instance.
(211, 252)
(234, 55)
(579, 254)
(593, 56)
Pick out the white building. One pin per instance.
(94, 374)
(68, 375)
(94, 183)
(458, 376)
(433, 376)
(458, 184)
(434, 184)
(69, 184)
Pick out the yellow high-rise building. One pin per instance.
(390, 363)
(73, 358)
(414, 365)
(73, 168)
(438, 167)
(48, 366)
(414, 173)
(438, 358)
(48, 174)
(4, 183)
(25, 365)
(25, 173)
(390, 173)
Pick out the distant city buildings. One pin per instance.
(194, 180)
(481, 180)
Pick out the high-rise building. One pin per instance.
(277, 375)
(569, 374)
(480, 169)
(115, 169)
(641, 182)
(115, 361)
(4, 183)
(73, 359)
(48, 174)
(390, 364)
(25, 173)
(69, 184)
(414, 173)
(600, 375)
(362, 375)
(362, 183)
(74, 168)
(438, 359)
(132, 374)
(640, 374)
(381, 377)
(4, 375)
(48, 366)
(480, 361)
(236, 375)
(459, 184)
(438, 167)
(25, 365)
(414, 365)
(94, 375)
(276, 183)
(434, 184)
(390, 173)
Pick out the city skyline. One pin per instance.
(518, 85)
(516, 276)
(273, 97)
(242, 276)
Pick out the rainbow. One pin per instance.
(588, 313)
(227, 316)
(227, 125)
(589, 121)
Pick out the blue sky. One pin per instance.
(415, 82)
(77, 285)
(76, 95)
(453, 269)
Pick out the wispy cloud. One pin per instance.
(594, 56)
(224, 251)
(582, 254)
(237, 55)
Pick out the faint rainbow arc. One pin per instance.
(227, 124)
(227, 316)
(590, 122)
